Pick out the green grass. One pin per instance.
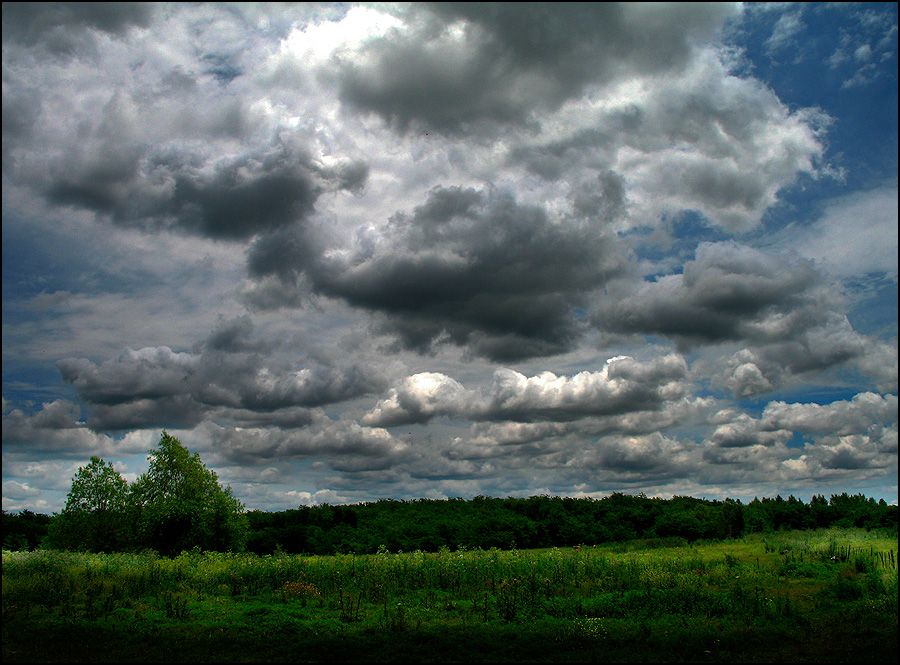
(792, 596)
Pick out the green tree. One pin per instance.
(179, 504)
(96, 511)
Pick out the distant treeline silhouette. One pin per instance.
(538, 521)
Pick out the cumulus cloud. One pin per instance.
(451, 68)
(707, 141)
(226, 374)
(399, 192)
(165, 139)
(173, 189)
(344, 445)
(418, 399)
(55, 429)
(840, 437)
(777, 305)
(841, 457)
(623, 385)
(842, 417)
(728, 292)
(470, 266)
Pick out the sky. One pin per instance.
(348, 252)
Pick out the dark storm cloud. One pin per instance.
(60, 27)
(473, 267)
(286, 253)
(458, 65)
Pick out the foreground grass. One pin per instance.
(794, 596)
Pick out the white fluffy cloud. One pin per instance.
(621, 386)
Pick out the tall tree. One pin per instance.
(179, 504)
(95, 514)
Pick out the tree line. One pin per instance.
(547, 521)
(178, 504)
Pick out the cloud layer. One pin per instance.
(359, 251)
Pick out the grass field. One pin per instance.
(807, 596)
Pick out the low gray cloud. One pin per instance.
(227, 374)
(343, 445)
(779, 306)
(831, 344)
(745, 431)
(489, 439)
(64, 28)
(254, 193)
(135, 374)
(728, 292)
(235, 336)
(470, 266)
(454, 67)
(652, 456)
(159, 412)
(55, 430)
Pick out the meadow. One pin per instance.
(793, 596)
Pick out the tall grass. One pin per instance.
(662, 591)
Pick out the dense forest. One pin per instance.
(505, 523)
